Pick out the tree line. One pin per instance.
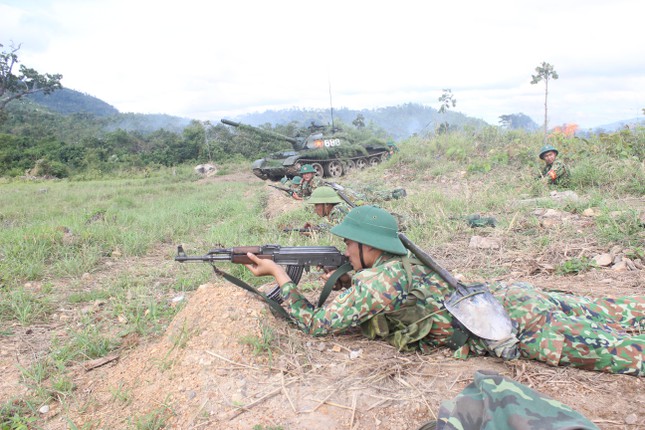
(69, 145)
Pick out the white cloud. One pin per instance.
(198, 59)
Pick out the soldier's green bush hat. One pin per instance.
(296, 180)
(307, 168)
(324, 195)
(371, 226)
(547, 148)
(283, 180)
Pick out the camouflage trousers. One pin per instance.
(493, 402)
(369, 195)
(603, 334)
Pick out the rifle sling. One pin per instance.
(278, 310)
(332, 281)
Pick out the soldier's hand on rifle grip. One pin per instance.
(342, 283)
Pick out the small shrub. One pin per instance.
(261, 344)
(576, 265)
(636, 252)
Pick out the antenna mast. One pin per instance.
(331, 105)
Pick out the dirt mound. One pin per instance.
(201, 374)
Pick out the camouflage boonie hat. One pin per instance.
(371, 226)
(324, 195)
(296, 180)
(547, 148)
(307, 168)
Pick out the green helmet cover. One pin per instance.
(307, 168)
(296, 180)
(373, 226)
(324, 195)
(284, 180)
(547, 148)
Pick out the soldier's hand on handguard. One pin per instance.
(307, 229)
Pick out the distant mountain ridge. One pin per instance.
(621, 124)
(399, 122)
(66, 102)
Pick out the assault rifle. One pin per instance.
(301, 230)
(295, 258)
(286, 190)
(341, 193)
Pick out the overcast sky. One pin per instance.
(209, 60)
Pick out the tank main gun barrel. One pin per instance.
(294, 142)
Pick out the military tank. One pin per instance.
(331, 155)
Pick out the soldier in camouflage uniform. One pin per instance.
(493, 402)
(555, 172)
(309, 181)
(391, 149)
(369, 194)
(327, 204)
(294, 185)
(395, 297)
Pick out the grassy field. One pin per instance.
(67, 246)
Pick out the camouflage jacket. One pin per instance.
(336, 215)
(308, 187)
(552, 327)
(556, 173)
(493, 402)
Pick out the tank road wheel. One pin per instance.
(374, 161)
(334, 169)
(349, 166)
(319, 169)
(361, 163)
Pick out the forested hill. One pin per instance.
(68, 101)
(399, 122)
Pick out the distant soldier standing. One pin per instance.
(391, 149)
(555, 172)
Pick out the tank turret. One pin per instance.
(331, 155)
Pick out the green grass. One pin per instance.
(76, 224)
(576, 265)
(63, 243)
(262, 343)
